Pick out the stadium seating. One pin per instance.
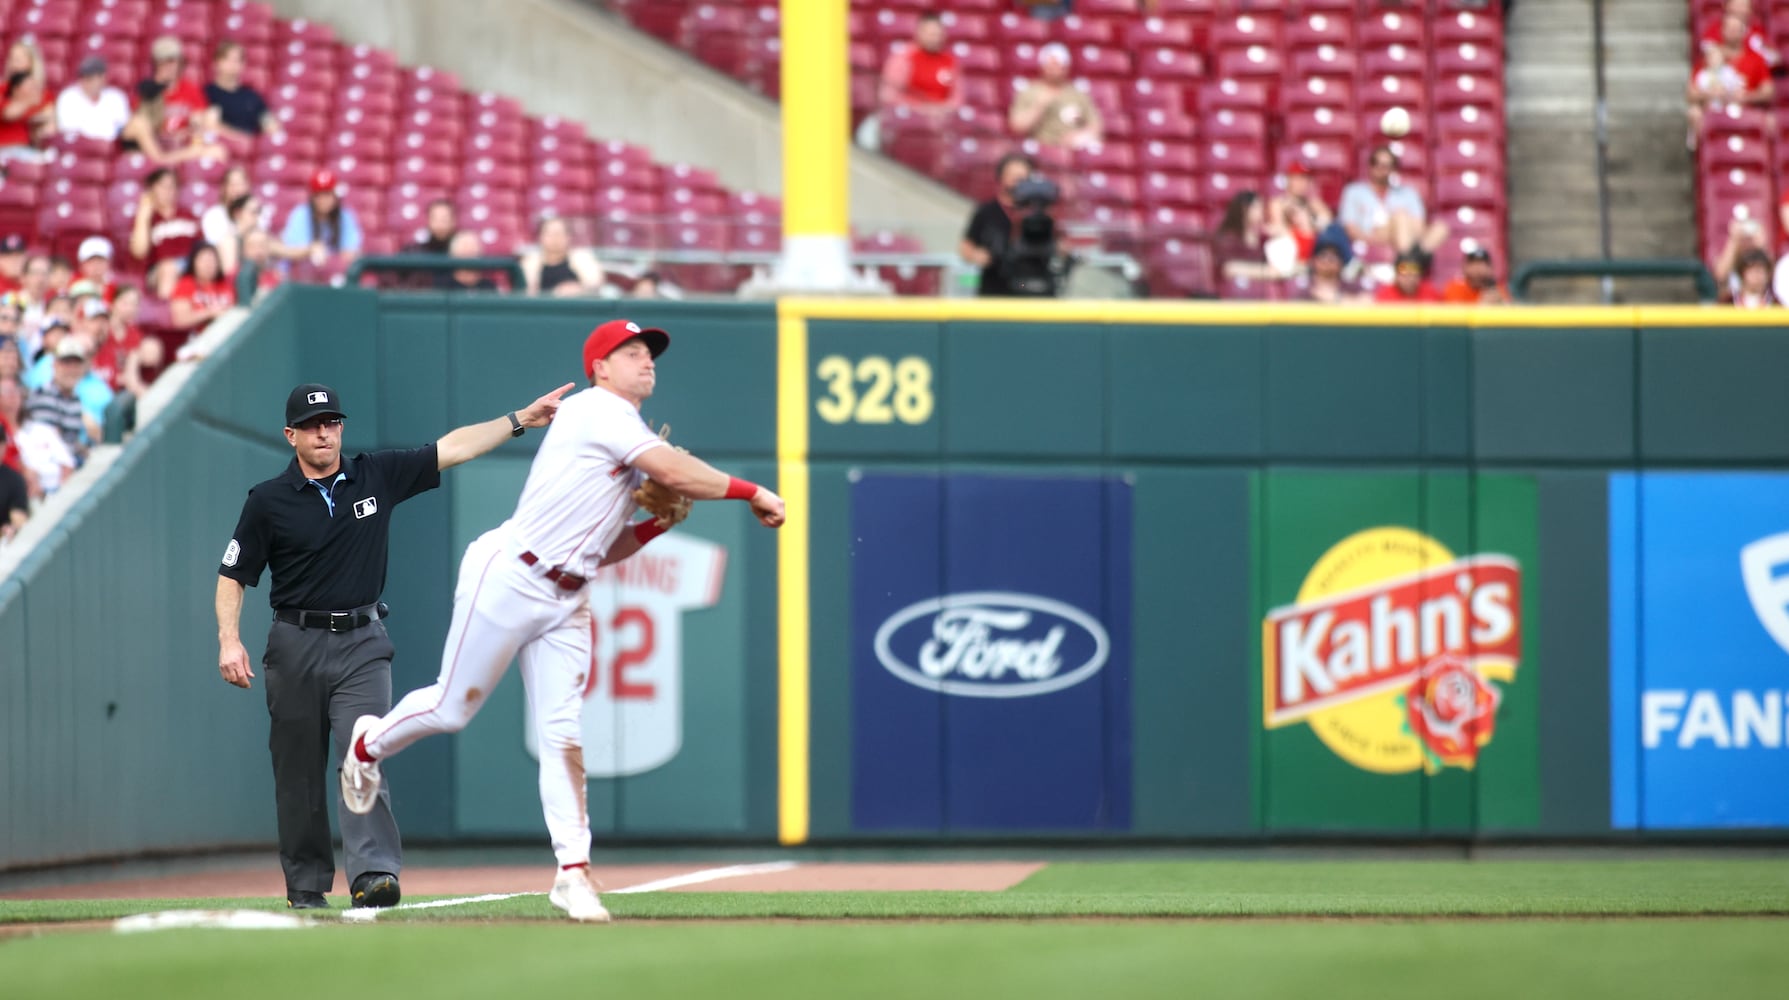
(1201, 99)
(1739, 156)
(397, 137)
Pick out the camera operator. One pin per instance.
(1012, 237)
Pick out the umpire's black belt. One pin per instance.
(334, 621)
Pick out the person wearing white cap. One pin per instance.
(1051, 109)
(89, 108)
(94, 264)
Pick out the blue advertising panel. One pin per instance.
(990, 653)
(1699, 650)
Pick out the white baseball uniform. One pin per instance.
(506, 604)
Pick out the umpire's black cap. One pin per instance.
(311, 400)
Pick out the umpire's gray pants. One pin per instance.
(318, 682)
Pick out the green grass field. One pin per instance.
(1617, 928)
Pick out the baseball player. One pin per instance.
(522, 588)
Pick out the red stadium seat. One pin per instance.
(1316, 28)
(1389, 26)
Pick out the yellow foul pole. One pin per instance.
(816, 145)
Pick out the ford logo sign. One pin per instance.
(992, 644)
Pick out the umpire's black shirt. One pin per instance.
(326, 540)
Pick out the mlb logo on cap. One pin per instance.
(312, 400)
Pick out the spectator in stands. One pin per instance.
(46, 458)
(989, 236)
(182, 99)
(556, 268)
(172, 122)
(439, 226)
(920, 76)
(95, 256)
(90, 108)
(646, 286)
(163, 233)
(61, 273)
(322, 231)
(240, 108)
(1477, 283)
(1051, 109)
(66, 402)
(27, 111)
(126, 359)
(1410, 281)
(1713, 40)
(1300, 212)
(12, 263)
(1384, 213)
(1325, 278)
(11, 319)
(1731, 75)
(1743, 234)
(466, 245)
(1751, 285)
(1237, 245)
(15, 500)
(12, 354)
(259, 268)
(204, 293)
(220, 224)
(34, 288)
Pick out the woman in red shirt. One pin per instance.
(204, 292)
(28, 110)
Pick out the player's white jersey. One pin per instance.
(579, 493)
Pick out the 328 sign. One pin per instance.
(875, 390)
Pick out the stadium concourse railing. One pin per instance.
(1067, 571)
(1707, 291)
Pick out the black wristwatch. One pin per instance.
(515, 425)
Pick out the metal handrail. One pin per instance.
(1602, 144)
(412, 262)
(1663, 267)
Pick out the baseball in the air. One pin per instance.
(1395, 123)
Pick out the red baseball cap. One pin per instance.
(1297, 167)
(323, 180)
(604, 339)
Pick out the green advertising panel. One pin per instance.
(1397, 685)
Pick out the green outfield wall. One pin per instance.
(1058, 571)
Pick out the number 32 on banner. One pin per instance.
(875, 390)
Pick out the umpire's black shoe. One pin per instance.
(377, 889)
(306, 901)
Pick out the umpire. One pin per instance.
(323, 527)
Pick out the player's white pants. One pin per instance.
(502, 609)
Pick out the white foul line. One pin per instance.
(370, 914)
(706, 875)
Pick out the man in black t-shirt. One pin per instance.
(323, 527)
(241, 107)
(991, 230)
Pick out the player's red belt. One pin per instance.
(567, 581)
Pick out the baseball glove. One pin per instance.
(667, 506)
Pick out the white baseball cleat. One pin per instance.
(573, 893)
(360, 780)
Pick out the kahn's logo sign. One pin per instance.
(992, 644)
(1759, 564)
